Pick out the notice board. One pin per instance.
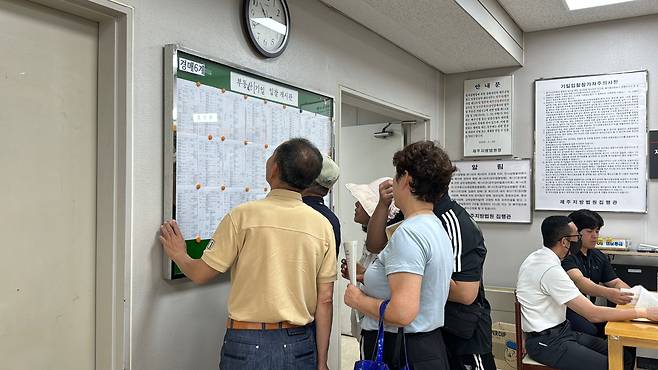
(221, 123)
(590, 143)
(488, 116)
(494, 190)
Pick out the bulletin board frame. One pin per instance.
(307, 99)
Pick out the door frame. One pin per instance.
(335, 343)
(114, 175)
(342, 89)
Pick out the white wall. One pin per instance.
(374, 161)
(176, 325)
(590, 49)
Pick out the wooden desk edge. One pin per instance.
(614, 252)
(632, 329)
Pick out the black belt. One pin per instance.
(546, 331)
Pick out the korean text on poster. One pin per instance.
(590, 135)
(488, 116)
(494, 191)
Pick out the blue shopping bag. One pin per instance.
(378, 362)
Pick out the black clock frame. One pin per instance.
(252, 39)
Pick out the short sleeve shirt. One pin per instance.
(419, 246)
(594, 266)
(469, 253)
(543, 289)
(317, 203)
(278, 250)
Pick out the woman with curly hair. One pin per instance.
(413, 271)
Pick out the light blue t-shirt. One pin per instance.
(420, 246)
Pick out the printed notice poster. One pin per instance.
(494, 191)
(488, 116)
(590, 135)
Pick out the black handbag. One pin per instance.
(461, 320)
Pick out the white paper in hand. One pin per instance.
(642, 298)
(350, 257)
(635, 291)
(646, 298)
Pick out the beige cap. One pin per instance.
(329, 174)
(368, 196)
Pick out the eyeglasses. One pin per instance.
(571, 236)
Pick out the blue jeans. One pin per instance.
(292, 349)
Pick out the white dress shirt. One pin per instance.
(543, 289)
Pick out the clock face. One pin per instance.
(268, 25)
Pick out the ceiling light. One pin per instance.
(583, 4)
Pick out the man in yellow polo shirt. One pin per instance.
(283, 266)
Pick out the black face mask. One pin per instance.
(574, 246)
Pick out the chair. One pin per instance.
(523, 361)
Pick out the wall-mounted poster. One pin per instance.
(494, 191)
(488, 116)
(590, 137)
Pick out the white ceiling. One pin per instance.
(438, 32)
(536, 15)
(467, 35)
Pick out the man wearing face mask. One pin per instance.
(592, 272)
(544, 291)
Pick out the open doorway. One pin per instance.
(370, 133)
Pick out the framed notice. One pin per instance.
(221, 123)
(494, 191)
(590, 143)
(488, 116)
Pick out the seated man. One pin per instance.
(589, 268)
(544, 291)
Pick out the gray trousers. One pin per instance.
(562, 348)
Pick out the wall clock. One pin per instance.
(267, 22)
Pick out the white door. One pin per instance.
(48, 97)
(363, 158)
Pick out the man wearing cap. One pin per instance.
(283, 268)
(314, 195)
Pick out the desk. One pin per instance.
(633, 271)
(612, 253)
(630, 334)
